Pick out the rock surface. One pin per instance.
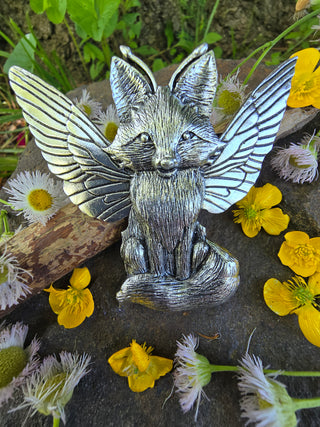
(104, 399)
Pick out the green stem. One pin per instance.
(313, 402)
(247, 58)
(269, 45)
(293, 373)
(77, 47)
(228, 368)
(213, 12)
(56, 422)
(4, 217)
(223, 368)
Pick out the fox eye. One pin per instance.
(187, 135)
(144, 137)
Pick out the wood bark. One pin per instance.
(49, 252)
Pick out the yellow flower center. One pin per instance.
(303, 296)
(110, 131)
(12, 361)
(87, 109)
(306, 254)
(40, 200)
(73, 296)
(250, 213)
(3, 274)
(230, 102)
(304, 85)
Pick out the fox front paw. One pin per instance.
(133, 255)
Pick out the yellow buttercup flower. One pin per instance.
(305, 84)
(296, 296)
(74, 304)
(255, 211)
(136, 363)
(300, 253)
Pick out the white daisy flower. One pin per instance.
(264, 401)
(229, 98)
(16, 362)
(12, 281)
(192, 373)
(50, 388)
(37, 195)
(108, 122)
(299, 162)
(88, 105)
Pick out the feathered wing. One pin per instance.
(249, 138)
(73, 147)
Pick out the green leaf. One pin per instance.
(37, 6)
(95, 69)
(22, 54)
(212, 38)
(92, 52)
(132, 3)
(146, 50)
(217, 52)
(56, 11)
(110, 28)
(178, 58)
(8, 163)
(168, 31)
(158, 64)
(4, 54)
(93, 16)
(11, 117)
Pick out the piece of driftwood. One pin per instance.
(49, 252)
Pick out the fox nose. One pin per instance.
(168, 163)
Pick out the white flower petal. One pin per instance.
(24, 184)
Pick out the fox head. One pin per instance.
(164, 128)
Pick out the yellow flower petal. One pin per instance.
(307, 60)
(250, 227)
(305, 84)
(314, 284)
(71, 317)
(159, 366)
(79, 305)
(87, 302)
(309, 322)
(80, 278)
(140, 382)
(274, 221)
(296, 237)
(278, 297)
(119, 361)
(139, 356)
(267, 196)
(285, 254)
(57, 299)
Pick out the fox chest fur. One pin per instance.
(167, 207)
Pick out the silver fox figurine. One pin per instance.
(165, 164)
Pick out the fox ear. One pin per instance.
(195, 80)
(129, 86)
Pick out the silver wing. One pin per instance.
(73, 148)
(249, 138)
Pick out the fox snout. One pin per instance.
(166, 164)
